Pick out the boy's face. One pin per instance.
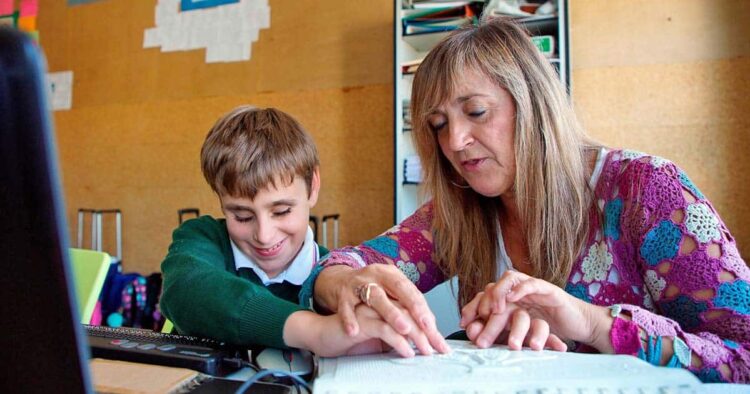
(271, 229)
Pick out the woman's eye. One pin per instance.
(243, 220)
(477, 113)
(282, 213)
(437, 127)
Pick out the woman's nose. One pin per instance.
(459, 135)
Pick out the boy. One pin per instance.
(237, 279)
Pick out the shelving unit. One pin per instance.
(407, 195)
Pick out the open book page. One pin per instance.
(497, 369)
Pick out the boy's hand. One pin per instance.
(324, 335)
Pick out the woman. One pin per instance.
(616, 250)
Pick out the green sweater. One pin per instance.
(204, 294)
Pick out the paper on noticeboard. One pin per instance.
(186, 5)
(60, 90)
(27, 23)
(7, 20)
(225, 31)
(6, 7)
(29, 8)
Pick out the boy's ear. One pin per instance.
(314, 187)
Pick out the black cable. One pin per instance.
(237, 363)
(296, 380)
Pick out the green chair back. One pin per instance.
(89, 271)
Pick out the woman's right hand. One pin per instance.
(393, 296)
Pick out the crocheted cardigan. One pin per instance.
(662, 255)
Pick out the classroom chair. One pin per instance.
(89, 271)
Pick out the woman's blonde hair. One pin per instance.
(551, 187)
(249, 149)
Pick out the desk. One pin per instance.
(245, 373)
(127, 377)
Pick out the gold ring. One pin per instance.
(364, 291)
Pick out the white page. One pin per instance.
(497, 369)
(60, 85)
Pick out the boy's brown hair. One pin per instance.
(250, 148)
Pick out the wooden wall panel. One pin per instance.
(147, 162)
(311, 45)
(139, 116)
(671, 78)
(666, 77)
(635, 32)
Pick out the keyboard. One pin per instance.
(150, 347)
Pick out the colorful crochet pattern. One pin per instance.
(662, 255)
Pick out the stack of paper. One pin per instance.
(444, 18)
(433, 3)
(412, 169)
(406, 107)
(411, 66)
(527, 11)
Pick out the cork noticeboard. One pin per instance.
(139, 115)
(670, 78)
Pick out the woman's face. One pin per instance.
(475, 130)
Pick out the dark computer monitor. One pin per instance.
(41, 340)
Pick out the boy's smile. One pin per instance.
(271, 228)
(270, 252)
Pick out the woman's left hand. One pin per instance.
(568, 317)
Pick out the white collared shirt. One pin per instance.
(296, 273)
